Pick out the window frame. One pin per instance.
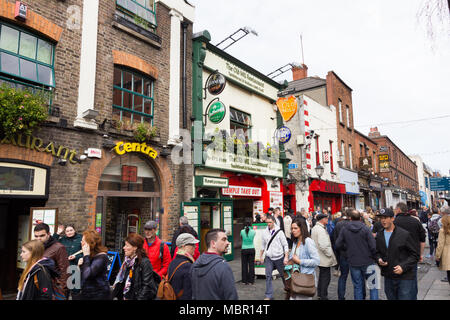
(128, 12)
(247, 128)
(133, 112)
(35, 61)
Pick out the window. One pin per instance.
(374, 163)
(132, 97)
(361, 146)
(240, 124)
(348, 116)
(342, 157)
(141, 11)
(340, 111)
(331, 156)
(317, 151)
(350, 156)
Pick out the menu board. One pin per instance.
(228, 224)
(43, 215)
(257, 208)
(276, 200)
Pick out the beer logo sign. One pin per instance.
(216, 83)
(216, 112)
(284, 134)
(287, 107)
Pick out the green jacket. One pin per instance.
(247, 240)
(72, 245)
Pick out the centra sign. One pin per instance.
(121, 148)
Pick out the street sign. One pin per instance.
(293, 165)
(440, 184)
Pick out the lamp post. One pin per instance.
(319, 170)
(244, 31)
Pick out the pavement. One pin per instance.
(429, 284)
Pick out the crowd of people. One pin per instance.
(367, 245)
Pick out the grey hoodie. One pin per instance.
(212, 279)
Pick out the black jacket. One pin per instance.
(401, 251)
(94, 278)
(413, 226)
(173, 246)
(359, 244)
(44, 271)
(342, 251)
(143, 286)
(181, 280)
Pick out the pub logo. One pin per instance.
(216, 83)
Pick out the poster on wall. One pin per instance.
(257, 208)
(276, 200)
(43, 215)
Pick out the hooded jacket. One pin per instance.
(359, 244)
(44, 271)
(212, 279)
(57, 252)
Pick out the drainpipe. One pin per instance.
(184, 26)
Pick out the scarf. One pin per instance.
(186, 254)
(122, 275)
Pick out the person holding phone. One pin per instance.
(397, 256)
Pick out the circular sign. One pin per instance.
(216, 83)
(284, 134)
(216, 112)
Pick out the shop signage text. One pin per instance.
(121, 148)
(241, 191)
(383, 162)
(216, 112)
(244, 77)
(287, 107)
(201, 181)
(37, 144)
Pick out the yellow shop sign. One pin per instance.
(121, 148)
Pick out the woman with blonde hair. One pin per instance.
(443, 247)
(94, 268)
(36, 280)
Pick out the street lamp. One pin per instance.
(243, 32)
(319, 170)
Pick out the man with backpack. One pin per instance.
(433, 229)
(157, 251)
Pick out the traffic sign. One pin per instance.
(440, 184)
(293, 165)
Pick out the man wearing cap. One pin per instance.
(397, 255)
(157, 251)
(181, 266)
(327, 258)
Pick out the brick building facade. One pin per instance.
(129, 82)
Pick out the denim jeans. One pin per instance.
(359, 275)
(397, 289)
(270, 266)
(342, 282)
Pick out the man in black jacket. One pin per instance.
(415, 229)
(341, 255)
(184, 223)
(397, 256)
(360, 247)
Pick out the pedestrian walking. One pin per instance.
(135, 278)
(212, 277)
(327, 258)
(157, 251)
(360, 248)
(71, 240)
(287, 221)
(248, 254)
(57, 252)
(397, 256)
(186, 229)
(180, 268)
(341, 256)
(304, 255)
(433, 228)
(415, 228)
(278, 218)
(35, 283)
(184, 225)
(94, 268)
(275, 247)
(443, 247)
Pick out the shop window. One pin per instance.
(26, 61)
(132, 97)
(141, 12)
(240, 124)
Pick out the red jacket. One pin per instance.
(153, 253)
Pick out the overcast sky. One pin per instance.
(379, 48)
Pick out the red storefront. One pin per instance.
(326, 194)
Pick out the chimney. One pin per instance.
(374, 132)
(299, 72)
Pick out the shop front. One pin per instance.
(325, 194)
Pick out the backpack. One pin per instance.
(57, 292)
(165, 289)
(433, 226)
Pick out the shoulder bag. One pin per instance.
(302, 283)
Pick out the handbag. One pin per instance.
(299, 283)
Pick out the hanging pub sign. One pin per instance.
(215, 111)
(287, 107)
(20, 11)
(216, 83)
(383, 162)
(283, 134)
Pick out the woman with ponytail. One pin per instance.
(36, 280)
(248, 253)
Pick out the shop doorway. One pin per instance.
(243, 209)
(14, 231)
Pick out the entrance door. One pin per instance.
(227, 225)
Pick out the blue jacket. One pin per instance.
(308, 255)
(212, 279)
(359, 243)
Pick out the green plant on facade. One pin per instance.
(142, 22)
(21, 111)
(144, 132)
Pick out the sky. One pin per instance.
(379, 48)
